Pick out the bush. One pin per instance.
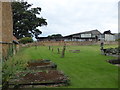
(112, 51)
(26, 40)
(13, 65)
(118, 40)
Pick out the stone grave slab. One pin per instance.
(114, 61)
(32, 79)
(41, 64)
(74, 51)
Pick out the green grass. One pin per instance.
(87, 69)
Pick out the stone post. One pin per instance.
(6, 27)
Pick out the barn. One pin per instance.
(93, 35)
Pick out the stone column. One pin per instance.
(6, 31)
(0, 30)
(6, 27)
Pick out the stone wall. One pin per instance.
(69, 43)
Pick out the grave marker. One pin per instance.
(36, 45)
(63, 51)
(49, 47)
(58, 51)
(52, 49)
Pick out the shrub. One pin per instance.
(112, 51)
(118, 40)
(26, 40)
(13, 65)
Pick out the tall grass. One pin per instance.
(14, 64)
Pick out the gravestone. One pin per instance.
(101, 45)
(52, 49)
(74, 51)
(63, 51)
(49, 47)
(58, 51)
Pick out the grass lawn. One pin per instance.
(87, 69)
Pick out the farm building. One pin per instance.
(83, 36)
(117, 36)
(92, 35)
(108, 36)
(7, 41)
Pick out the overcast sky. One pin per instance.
(73, 16)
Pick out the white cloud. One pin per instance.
(73, 16)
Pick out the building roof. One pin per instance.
(95, 32)
(15, 40)
(42, 37)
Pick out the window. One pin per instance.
(85, 35)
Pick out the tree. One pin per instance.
(107, 32)
(25, 20)
(55, 36)
(26, 40)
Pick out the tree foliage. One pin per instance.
(25, 20)
(26, 40)
(55, 36)
(107, 32)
